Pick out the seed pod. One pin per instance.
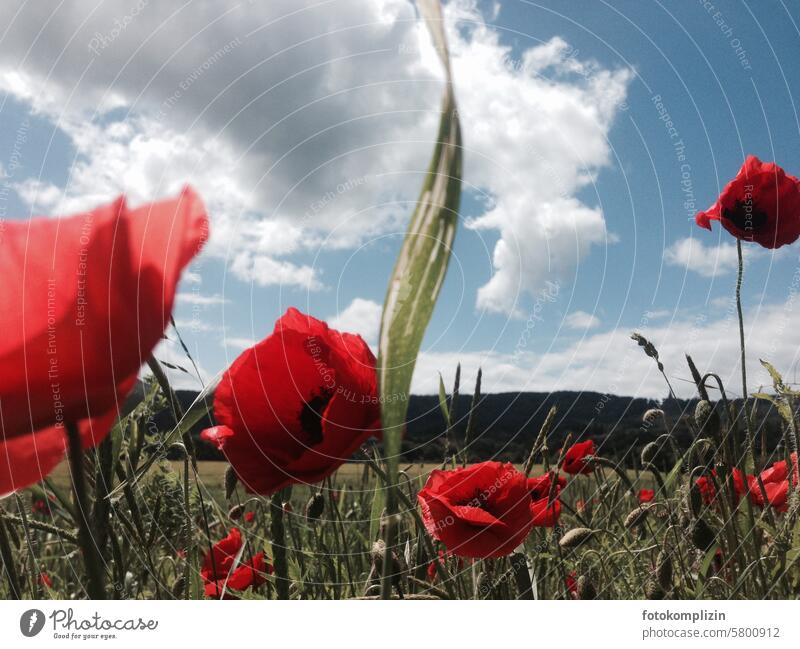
(649, 453)
(576, 537)
(703, 536)
(377, 553)
(636, 518)
(235, 513)
(664, 571)
(230, 482)
(177, 587)
(707, 418)
(315, 506)
(585, 588)
(653, 591)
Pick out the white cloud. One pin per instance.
(307, 124)
(274, 110)
(361, 317)
(581, 320)
(610, 362)
(237, 343)
(536, 134)
(708, 261)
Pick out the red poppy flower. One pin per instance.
(85, 300)
(575, 458)
(571, 581)
(44, 580)
(539, 487)
(249, 517)
(761, 204)
(478, 511)
(776, 484)
(219, 573)
(646, 495)
(544, 516)
(779, 471)
(296, 406)
(707, 491)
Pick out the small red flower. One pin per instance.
(646, 495)
(478, 511)
(572, 584)
(44, 580)
(762, 204)
(219, 574)
(84, 301)
(575, 458)
(296, 406)
(249, 517)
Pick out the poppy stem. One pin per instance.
(741, 331)
(8, 560)
(278, 534)
(91, 556)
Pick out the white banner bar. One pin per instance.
(386, 625)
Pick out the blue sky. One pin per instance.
(306, 127)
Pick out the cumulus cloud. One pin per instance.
(360, 316)
(581, 320)
(708, 261)
(536, 129)
(308, 124)
(611, 362)
(274, 110)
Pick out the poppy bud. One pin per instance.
(649, 453)
(695, 499)
(652, 416)
(653, 591)
(177, 587)
(483, 586)
(576, 537)
(636, 518)
(585, 588)
(707, 418)
(235, 513)
(664, 571)
(230, 482)
(315, 507)
(703, 536)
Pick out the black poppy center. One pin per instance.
(311, 416)
(746, 217)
